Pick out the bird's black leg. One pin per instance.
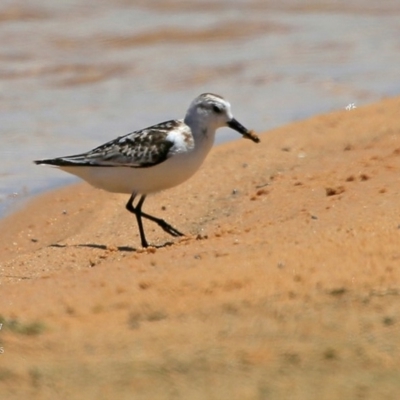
(129, 204)
(139, 214)
(163, 225)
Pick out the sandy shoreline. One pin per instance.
(287, 284)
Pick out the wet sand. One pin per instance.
(286, 286)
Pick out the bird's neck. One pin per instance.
(203, 133)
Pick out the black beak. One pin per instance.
(237, 126)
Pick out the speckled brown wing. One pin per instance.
(139, 149)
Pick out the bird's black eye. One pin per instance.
(217, 109)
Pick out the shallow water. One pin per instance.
(75, 74)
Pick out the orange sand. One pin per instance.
(287, 285)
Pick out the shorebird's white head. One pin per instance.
(208, 112)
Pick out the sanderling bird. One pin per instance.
(155, 158)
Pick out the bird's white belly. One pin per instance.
(167, 174)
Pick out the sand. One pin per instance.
(287, 285)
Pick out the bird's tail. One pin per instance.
(57, 162)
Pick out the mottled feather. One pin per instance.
(139, 149)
